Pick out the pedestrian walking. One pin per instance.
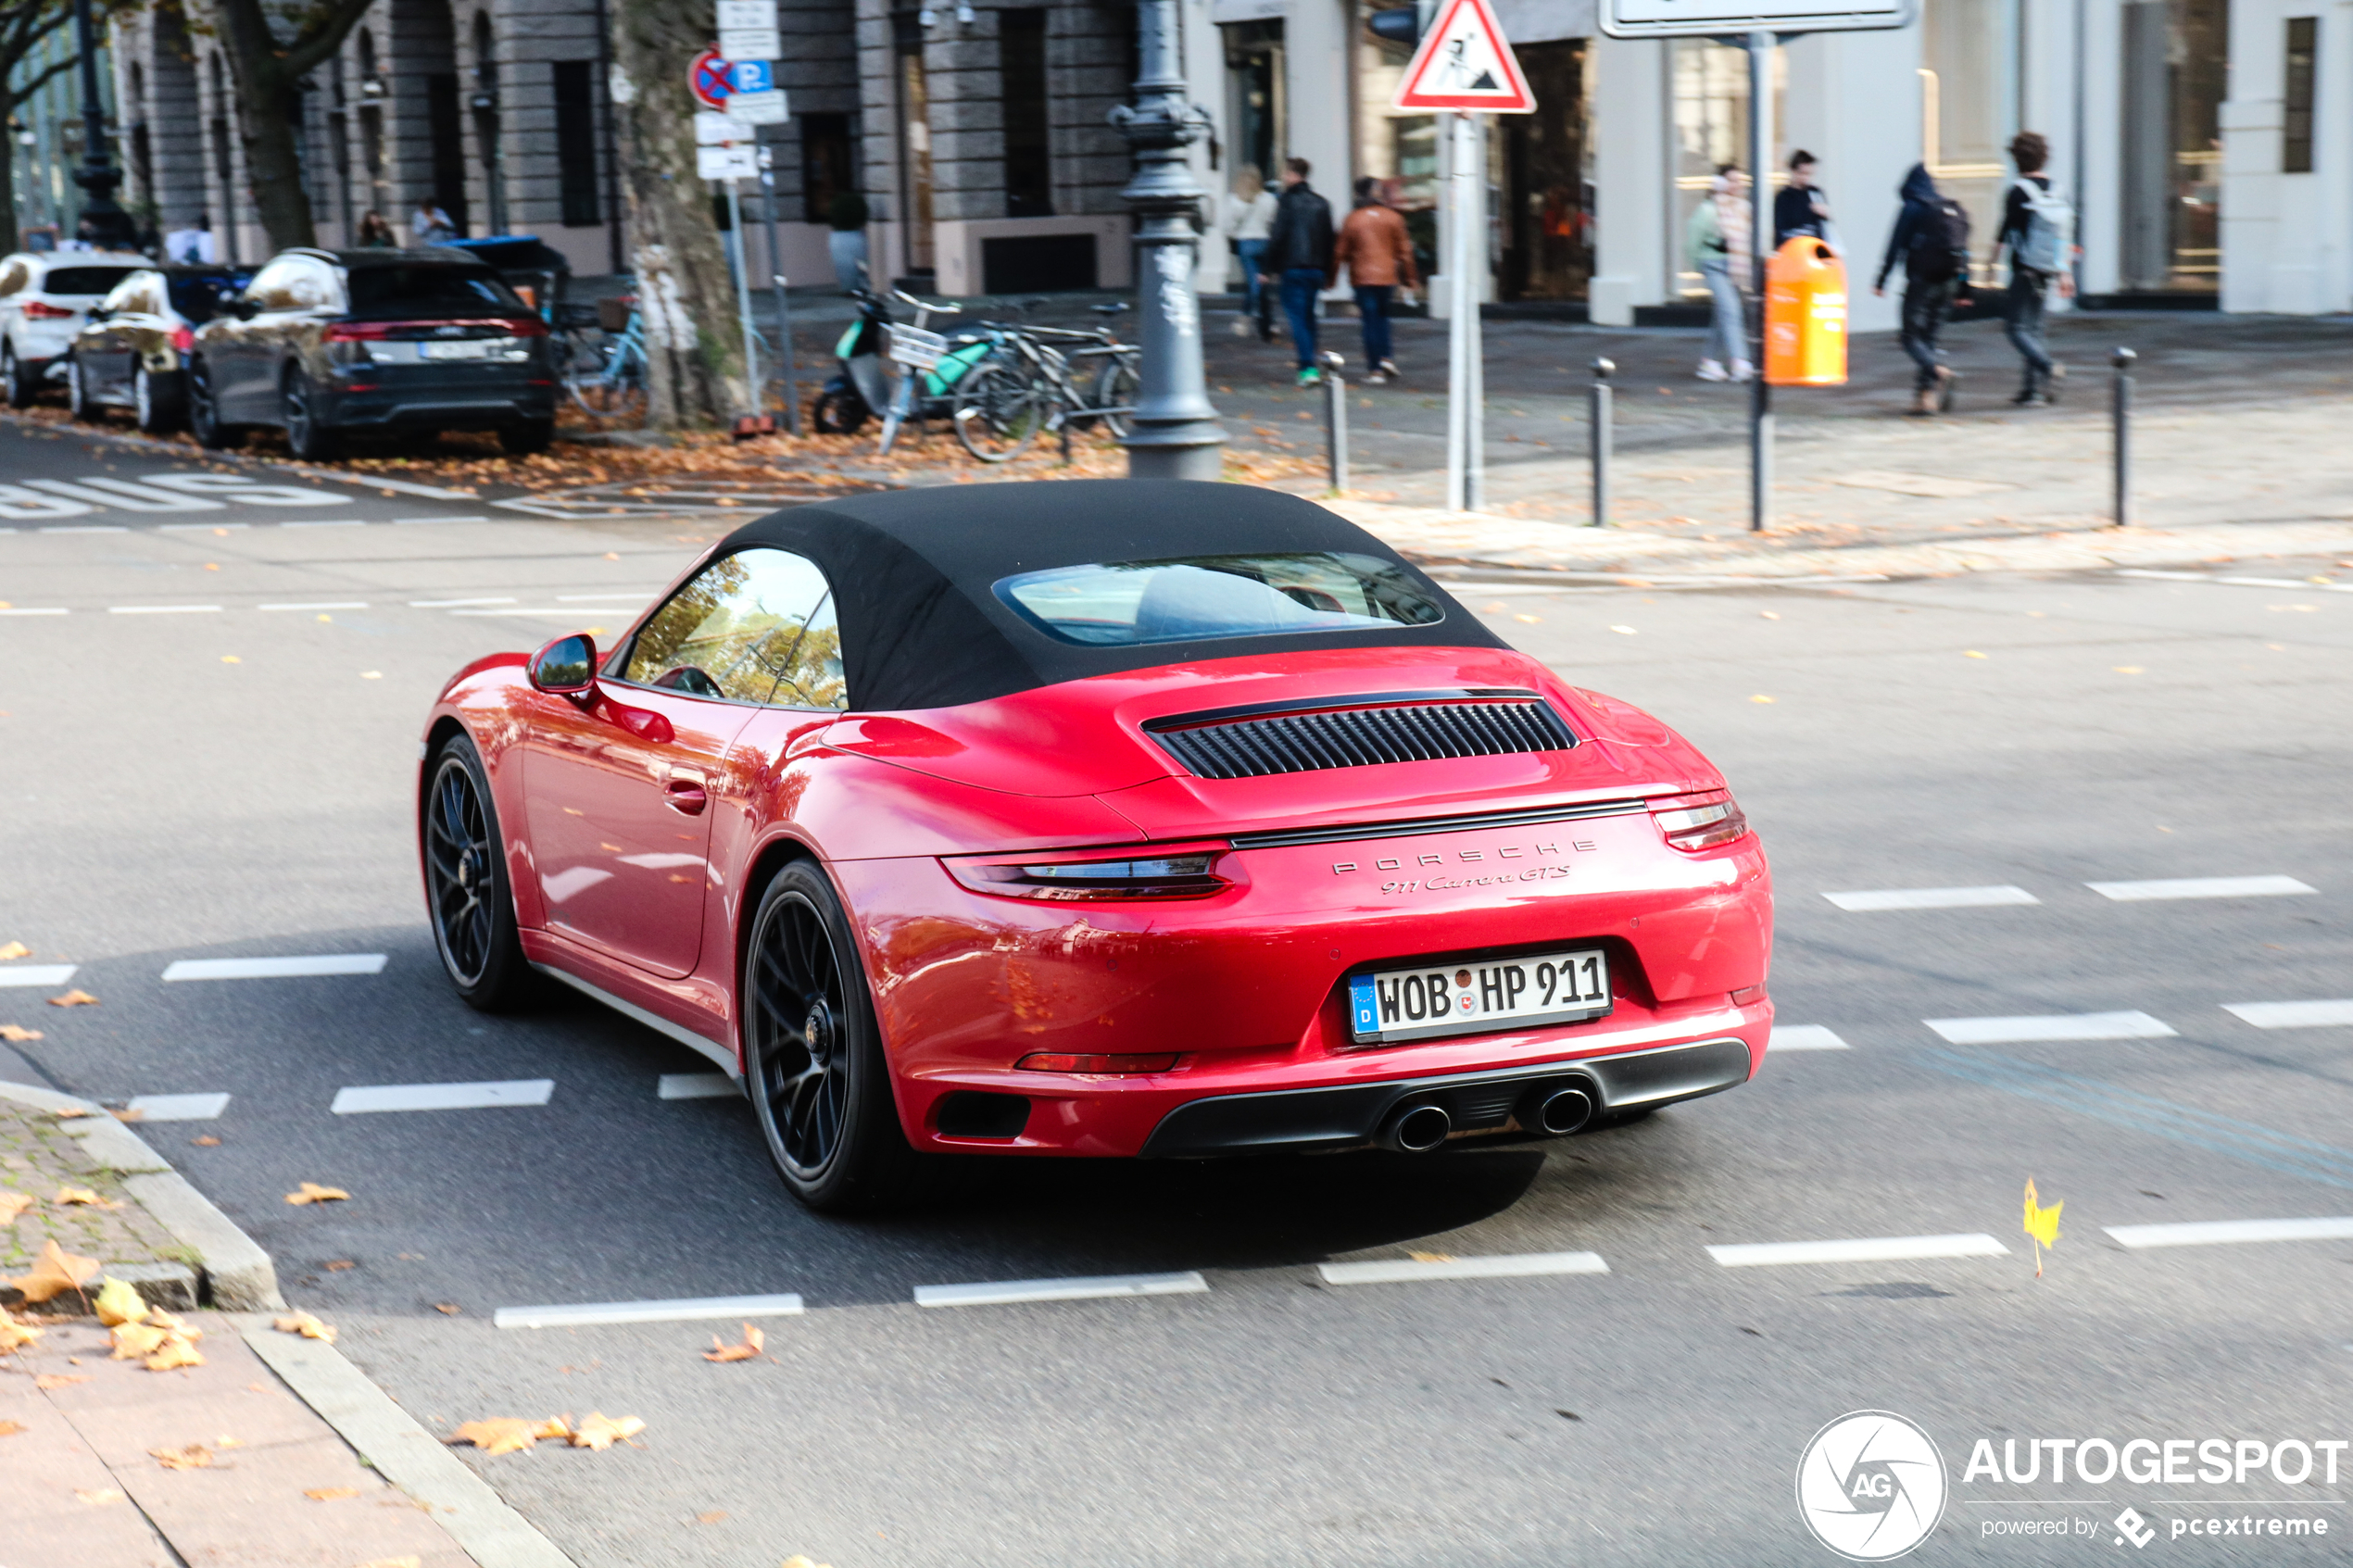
(1299, 255)
(1930, 239)
(431, 225)
(1718, 238)
(375, 233)
(2037, 227)
(1799, 207)
(1378, 253)
(1249, 215)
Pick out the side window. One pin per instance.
(273, 287)
(757, 626)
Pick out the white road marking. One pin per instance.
(1933, 898)
(2207, 1232)
(1804, 1037)
(1005, 1292)
(441, 1096)
(532, 609)
(1885, 1248)
(688, 1311)
(2051, 1027)
(197, 527)
(695, 1085)
(2293, 1015)
(2268, 582)
(122, 493)
(163, 609)
(2201, 888)
(1508, 1265)
(2164, 576)
(419, 521)
(453, 604)
(274, 969)
(89, 528)
(43, 611)
(36, 974)
(595, 598)
(178, 1108)
(326, 521)
(328, 604)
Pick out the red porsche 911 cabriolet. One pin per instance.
(1126, 818)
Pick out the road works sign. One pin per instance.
(1704, 19)
(1465, 64)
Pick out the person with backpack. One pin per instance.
(1930, 239)
(1299, 256)
(2036, 225)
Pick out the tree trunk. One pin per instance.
(8, 175)
(266, 111)
(685, 292)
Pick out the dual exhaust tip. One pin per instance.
(1416, 1126)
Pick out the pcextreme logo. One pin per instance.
(1871, 1485)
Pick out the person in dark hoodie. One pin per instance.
(1930, 239)
(1299, 256)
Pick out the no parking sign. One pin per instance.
(712, 78)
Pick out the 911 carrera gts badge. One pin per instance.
(1508, 852)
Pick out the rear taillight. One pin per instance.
(42, 310)
(526, 326)
(1699, 822)
(183, 338)
(1187, 874)
(1049, 1061)
(358, 331)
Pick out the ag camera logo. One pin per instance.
(1871, 1485)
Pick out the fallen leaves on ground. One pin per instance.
(500, 1435)
(99, 1496)
(205, 1141)
(17, 1035)
(796, 1560)
(311, 1192)
(119, 1301)
(10, 1428)
(14, 950)
(86, 1196)
(1431, 1257)
(15, 1335)
(13, 1204)
(195, 1456)
(303, 1325)
(331, 1494)
(601, 1432)
(163, 1340)
(393, 1562)
(449, 1309)
(56, 1272)
(753, 1344)
(340, 1264)
(137, 1341)
(711, 1516)
(69, 1114)
(76, 997)
(49, 1380)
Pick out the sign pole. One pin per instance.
(1760, 230)
(1475, 249)
(753, 403)
(1459, 307)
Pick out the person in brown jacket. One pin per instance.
(1379, 254)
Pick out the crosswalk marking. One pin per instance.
(2201, 888)
(178, 1108)
(693, 1310)
(1885, 1248)
(2293, 1015)
(2051, 1027)
(1509, 1265)
(1088, 1288)
(23, 974)
(441, 1096)
(1804, 1037)
(275, 969)
(2209, 1232)
(1931, 899)
(695, 1085)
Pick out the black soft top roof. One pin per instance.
(912, 572)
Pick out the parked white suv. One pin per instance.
(45, 297)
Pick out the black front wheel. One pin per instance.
(819, 1084)
(20, 383)
(307, 434)
(839, 411)
(157, 412)
(466, 887)
(79, 402)
(204, 411)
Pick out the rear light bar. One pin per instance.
(367, 332)
(1047, 1061)
(1701, 820)
(42, 310)
(183, 338)
(1180, 874)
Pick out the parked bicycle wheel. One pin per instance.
(614, 387)
(1118, 385)
(998, 412)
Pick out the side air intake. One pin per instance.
(1359, 731)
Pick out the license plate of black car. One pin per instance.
(1468, 996)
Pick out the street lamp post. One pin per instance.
(1174, 434)
(107, 226)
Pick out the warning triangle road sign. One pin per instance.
(1463, 63)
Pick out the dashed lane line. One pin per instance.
(2293, 1015)
(325, 604)
(1931, 899)
(1509, 1265)
(2210, 1233)
(696, 1086)
(694, 1309)
(275, 969)
(41, 610)
(2202, 887)
(1872, 1250)
(36, 973)
(178, 1108)
(441, 1096)
(86, 528)
(163, 609)
(456, 604)
(1003, 1293)
(2050, 1026)
(1804, 1037)
(421, 522)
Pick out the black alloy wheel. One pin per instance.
(839, 412)
(15, 380)
(819, 1087)
(79, 403)
(145, 406)
(204, 413)
(474, 909)
(307, 435)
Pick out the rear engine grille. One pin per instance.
(1356, 737)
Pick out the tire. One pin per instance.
(527, 438)
(998, 412)
(79, 402)
(467, 894)
(838, 411)
(1119, 386)
(204, 415)
(307, 436)
(19, 384)
(156, 412)
(820, 1087)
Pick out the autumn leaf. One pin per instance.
(600, 1432)
(311, 1192)
(340, 1264)
(10, 1428)
(195, 1456)
(15, 1335)
(754, 1343)
(711, 1516)
(2041, 1223)
(117, 1302)
(303, 1325)
(13, 1204)
(69, 1114)
(136, 1342)
(57, 1271)
(14, 950)
(206, 1140)
(74, 999)
(84, 1196)
(49, 1380)
(97, 1496)
(170, 1323)
(449, 1308)
(393, 1562)
(555, 1426)
(331, 1494)
(176, 1352)
(1431, 1257)
(501, 1435)
(17, 1037)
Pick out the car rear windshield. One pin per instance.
(1126, 603)
(197, 298)
(439, 291)
(84, 279)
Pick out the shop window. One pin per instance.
(576, 142)
(1020, 65)
(2296, 133)
(1709, 105)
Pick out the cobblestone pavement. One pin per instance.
(38, 1160)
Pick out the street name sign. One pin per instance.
(1465, 64)
(1719, 18)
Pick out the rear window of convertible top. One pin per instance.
(1196, 598)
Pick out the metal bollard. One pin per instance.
(1598, 437)
(1335, 419)
(2123, 359)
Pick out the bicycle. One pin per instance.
(1033, 386)
(607, 377)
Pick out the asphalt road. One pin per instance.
(235, 782)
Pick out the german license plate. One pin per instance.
(1470, 995)
(471, 349)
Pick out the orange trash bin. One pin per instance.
(1805, 315)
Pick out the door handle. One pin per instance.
(685, 794)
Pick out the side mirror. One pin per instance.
(96, 313)
(244, 309)
(566, 667)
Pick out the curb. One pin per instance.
(232, 1268)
